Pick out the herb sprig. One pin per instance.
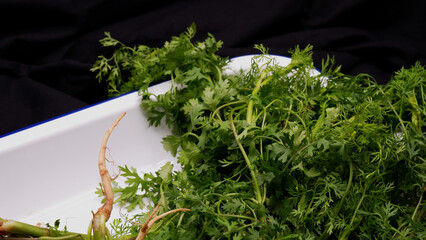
(276, 152)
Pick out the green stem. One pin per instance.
(224, 105)
(246, 158)
(351, 174)
(262, 81)
(89, 231)
(180, 220)
(359, 205)
(163, 198)
(325, 234)
(236, 216)
(394, 111)
(297, 115)
(418, 205)
(255, 91)
(264, 111)
(297, 154)
(250, 111)
(416, 117)
(20, 229)
(100, 231)
(75, 236)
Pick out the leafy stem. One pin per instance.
(253, 170)
(325, 234)
(348, 187)
(255, 91)
(359, 204)
(394, 111)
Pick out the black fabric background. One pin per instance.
(47, 47)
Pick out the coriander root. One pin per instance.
(151, 220)
(100, 231)
(105, 177)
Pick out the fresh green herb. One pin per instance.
(273, 153)
(277, 152)
(134, 68)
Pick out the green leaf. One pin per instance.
(233, 206)
(238, 236)
(265, 178)
(312, 173)
(189, 154)
(279, 152)
(194, 110)
(165, 172)
(324, 143)
(194, 74)
(171, 144)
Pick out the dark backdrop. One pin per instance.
(47, 47)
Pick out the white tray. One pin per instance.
(50, 172)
